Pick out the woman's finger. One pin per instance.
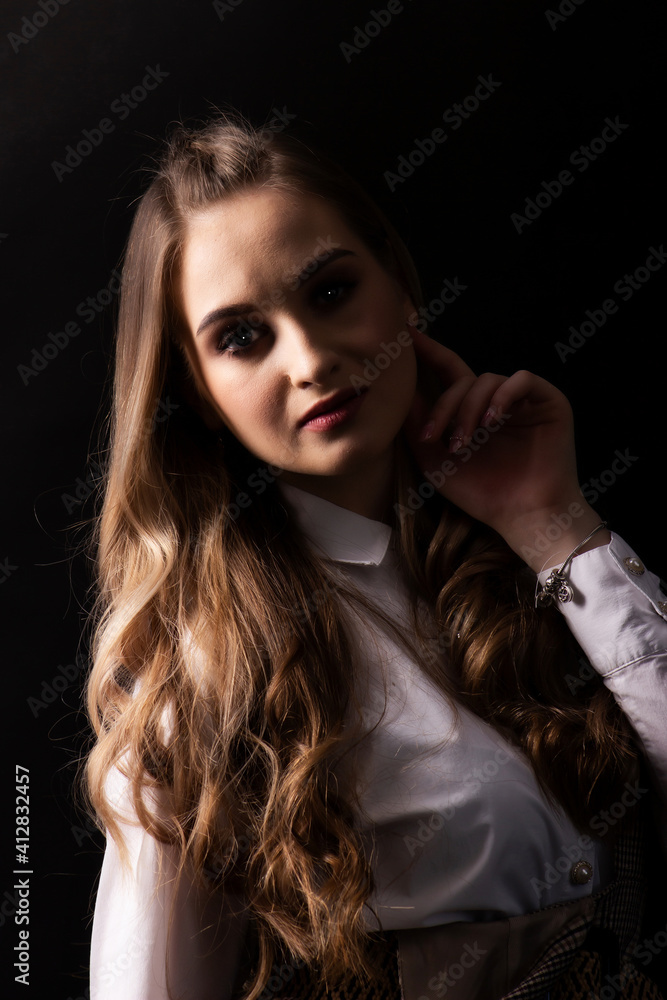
(474, 405)
(530, 388)
(445, 408)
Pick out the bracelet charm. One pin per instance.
(556, 587)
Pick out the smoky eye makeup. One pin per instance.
(235, 337)
(342, 286)
(240, 335)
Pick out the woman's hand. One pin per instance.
(502, 449)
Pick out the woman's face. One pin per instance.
(287, 310)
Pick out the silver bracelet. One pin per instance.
(556, 586)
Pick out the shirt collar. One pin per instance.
(339, 533)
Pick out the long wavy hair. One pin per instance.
(222, 670)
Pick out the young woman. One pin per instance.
(348, 744)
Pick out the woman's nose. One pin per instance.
(309, 354)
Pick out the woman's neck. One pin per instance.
(368, 491)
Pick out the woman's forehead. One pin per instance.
(264, 220)
(257, 241)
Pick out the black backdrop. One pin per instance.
(88, 89)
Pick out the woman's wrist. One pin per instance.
(545, 538)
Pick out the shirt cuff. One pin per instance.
(617, 614)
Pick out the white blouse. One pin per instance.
(453, 815)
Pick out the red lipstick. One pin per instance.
(332, 411)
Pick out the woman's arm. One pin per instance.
(618, 615)
(132, 939)
(502, 449)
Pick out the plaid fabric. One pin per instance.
(618, 912)
(584, 979)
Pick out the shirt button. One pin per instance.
(636, 566)
(581, 872)
(663, 606)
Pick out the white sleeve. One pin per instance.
(618, 615)
(130, 949)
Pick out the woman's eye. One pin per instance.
(239, 337)
(332, 294)
(236, 338)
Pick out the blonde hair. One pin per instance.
(217, 679)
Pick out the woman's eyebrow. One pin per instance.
(308, 271)
(316, 264)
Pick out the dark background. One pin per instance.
(61, 239)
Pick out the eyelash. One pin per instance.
(226, 335)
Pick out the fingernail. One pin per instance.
(456, 441)
(490, 415)
(427, 431)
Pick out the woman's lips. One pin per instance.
(332, 418)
